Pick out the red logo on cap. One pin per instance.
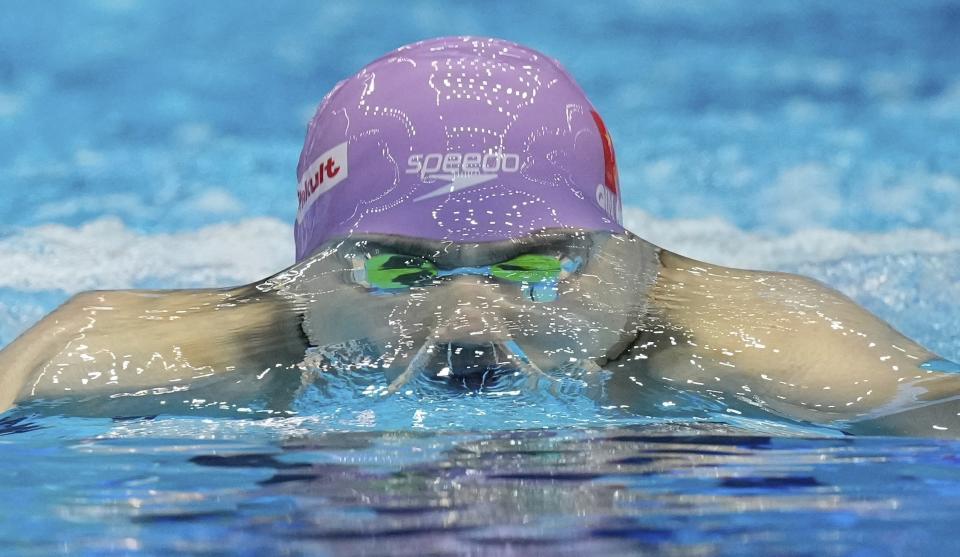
(610, 178)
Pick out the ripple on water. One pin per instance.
(239, 486)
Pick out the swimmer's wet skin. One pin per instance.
(783, 342)
(494, 250)
(136, 345)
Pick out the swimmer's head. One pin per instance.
(550, 301)
(460, 139)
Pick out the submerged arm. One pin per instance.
(787, 343)
(134, 343)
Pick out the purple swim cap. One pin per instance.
(464, 139)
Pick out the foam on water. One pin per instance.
(107, 254)
(718, 241)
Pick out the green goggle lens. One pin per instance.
(528, 268)
(390, 271)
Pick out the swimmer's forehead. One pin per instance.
(561, 242)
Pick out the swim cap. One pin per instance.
(457, 138)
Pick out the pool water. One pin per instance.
(154, 145)
(298, 487)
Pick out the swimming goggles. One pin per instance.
(538, 275)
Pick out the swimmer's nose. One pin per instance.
(471, 321)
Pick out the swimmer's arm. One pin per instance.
(787, 342)
(126, 341)
(941, 419)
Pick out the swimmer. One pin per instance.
(460, 220)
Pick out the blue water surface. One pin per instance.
(154, 144)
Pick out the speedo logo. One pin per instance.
(461, 170)
(328, 170)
